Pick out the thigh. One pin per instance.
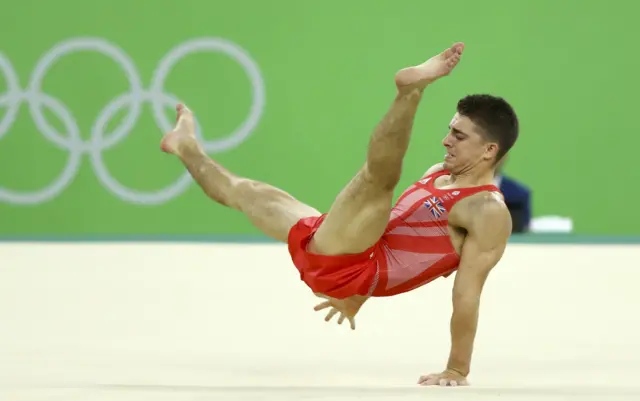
(273, 210)
(357, 219)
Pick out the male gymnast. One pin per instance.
(453, 219)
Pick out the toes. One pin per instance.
(455, 49)
(453, 61)
(181, 109)
(458, 47)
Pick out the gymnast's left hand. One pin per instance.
(448, 378)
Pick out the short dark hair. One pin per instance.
(495, 116)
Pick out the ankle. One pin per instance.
(190, 148)
(409, 92)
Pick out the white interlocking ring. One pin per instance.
(134, 99)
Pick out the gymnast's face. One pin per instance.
(465, 145)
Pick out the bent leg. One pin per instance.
(359, 215)
(270, 209)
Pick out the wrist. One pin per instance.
(458, 369)
(459, 361)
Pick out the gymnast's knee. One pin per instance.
(381, 175)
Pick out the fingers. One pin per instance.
(331, 314)
(424, 380)
(438, 380)
(352, 321)
(322, 306)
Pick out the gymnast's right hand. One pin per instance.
(348, 308)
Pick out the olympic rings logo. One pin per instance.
(134, 99)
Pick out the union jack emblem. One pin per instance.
(435, 206)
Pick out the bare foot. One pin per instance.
(184, 133)
(418, 77)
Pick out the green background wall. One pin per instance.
(569, 68)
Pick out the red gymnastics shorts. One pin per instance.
(338, 276)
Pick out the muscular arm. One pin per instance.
(488, 229)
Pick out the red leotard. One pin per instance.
(415, 248)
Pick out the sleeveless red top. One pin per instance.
(416, 247)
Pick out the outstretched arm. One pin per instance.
(487, 237)
(488, 226)
(486, 240)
